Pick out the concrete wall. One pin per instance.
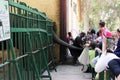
(52, 10)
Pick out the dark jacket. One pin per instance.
(78, 42)
(117, 50)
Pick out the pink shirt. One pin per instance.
(107, 33)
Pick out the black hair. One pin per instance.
(99, 45)
(93, 45)
(69, 33)
(98, 33)
(118, 30)
(93, 31)
(88, 32)
(82, 33)
(102, 23)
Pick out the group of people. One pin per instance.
(94, 41)
(78, 42)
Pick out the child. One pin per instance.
(92, 54)
(104, 31)
(70, 38)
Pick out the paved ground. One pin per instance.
(69, 72)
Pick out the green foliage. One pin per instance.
(107, 10)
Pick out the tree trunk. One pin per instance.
(79, 11)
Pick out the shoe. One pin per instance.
(76, 64)
(88, 70)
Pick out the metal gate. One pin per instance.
(29, 51)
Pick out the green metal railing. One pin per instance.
(106, 75)
(29, 51)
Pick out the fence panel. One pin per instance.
(27, 54)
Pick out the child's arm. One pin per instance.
(98, 50)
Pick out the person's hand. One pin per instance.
(98, 50)
(110, 50)
(86, 45)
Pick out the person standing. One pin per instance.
(69, 41)
(69, 38)
(117, 50)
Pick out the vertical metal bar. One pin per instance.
(4, 74)
(108, 75)
(31, 35)
(9, 65)
(14, 56)
(8, 46)
(32, 56)
(101, 76)
(20, 42)
(39, 47)
(49, 43)
(28, 66)
(44, 57)
(52, 56)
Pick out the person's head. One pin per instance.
(92, 31)
(69, 33)
(98, 34)
(82, 34)
(88, 32)
(93, 45)
(101, 24)
(118, 32)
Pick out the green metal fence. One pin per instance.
(106, 75)
(29, 51)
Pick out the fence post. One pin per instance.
(32, 56)
(14, 57)
(45, 60)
